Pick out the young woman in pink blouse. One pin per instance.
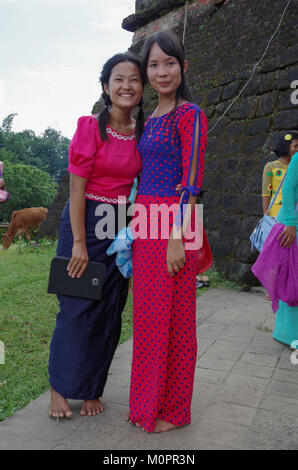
(103, 162)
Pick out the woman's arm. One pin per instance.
(193, 140)
(81, 158)
(266, 186)
(266, 202)
(79, 260)
(288, 202)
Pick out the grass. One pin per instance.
(28, 317)
(217, 281)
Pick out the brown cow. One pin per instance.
(21, 222)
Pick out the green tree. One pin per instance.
(28, 187)
(7, 122)
(48, 152)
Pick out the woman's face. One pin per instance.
(125, 86)
(293, 147)
(163, 71)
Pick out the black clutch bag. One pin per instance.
(88, 286)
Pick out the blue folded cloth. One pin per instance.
(121, 245)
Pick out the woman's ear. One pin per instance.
(106, 88)
(185, 66)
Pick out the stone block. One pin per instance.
(220, 364)
(253, 143)
(213, 96)
(211, 376)
(272, 431)
(281, 404)
(286, 119)
(231, 413)
(267, 82)
(248, 279)
(216, 126)
(230, 225)
(238, 271)
(243, 368)
(232, 148)
(268, 360)
(230, 165)
(221, 248)
(285, 100)
(247, 226)
(230, 203)
(286, 77)
(286, 375)
(288, 57)
(236, 129)
(248, 164)
(259, 126)
(252, 205)
(209, 112)
(267, 104)
(243, 390)
(253, 87)
(212, 165)
(231, 90)
(246, 109)
(243, 252)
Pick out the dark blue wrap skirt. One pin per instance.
(87, 331)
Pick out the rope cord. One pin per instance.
(185, 20)
(254, 69)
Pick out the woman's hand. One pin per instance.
(288, 236)
(79, 259)
(2, 183)
(175, 256)
(178, 187)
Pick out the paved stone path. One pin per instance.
(245, 392)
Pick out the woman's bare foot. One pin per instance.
(91, 407)
(59, 406)
(127, 417)
(163, 426)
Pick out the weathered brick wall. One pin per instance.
(223, 42)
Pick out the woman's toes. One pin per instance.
(91, 408)
(59, 406)
(163, 426)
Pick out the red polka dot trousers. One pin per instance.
(164, 333)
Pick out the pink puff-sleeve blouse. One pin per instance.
(110, 166)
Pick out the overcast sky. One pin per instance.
(51, 56)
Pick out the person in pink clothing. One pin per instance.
(103, 163)
(172, 147)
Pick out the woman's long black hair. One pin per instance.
(171, 45)
(104, 116)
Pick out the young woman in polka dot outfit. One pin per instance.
(172, 148)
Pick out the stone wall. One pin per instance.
(223, 41)
(50, 226)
